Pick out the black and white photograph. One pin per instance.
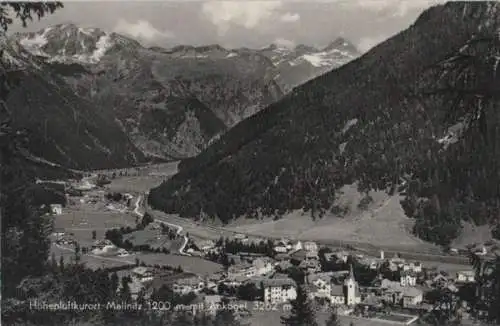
(250, 163)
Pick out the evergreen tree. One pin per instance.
(302, 313)
(61, 264)
(125, 289)
(53, 262)
(114, 283)
(77, 253)
(225, 317)
(94, 234)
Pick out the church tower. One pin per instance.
(351, 288)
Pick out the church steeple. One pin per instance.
(351, 273)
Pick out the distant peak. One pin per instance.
(210, 47)
(305, 48)
(341, 43)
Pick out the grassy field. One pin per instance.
(91, 261)
(134, 184)
(81, 223)
(189, 264)
(383, 223)
(144, 180)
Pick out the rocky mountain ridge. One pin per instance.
(141, 86)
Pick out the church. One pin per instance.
(346, 294)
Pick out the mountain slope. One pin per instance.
(138, 85)
(62, 127)
(364, 122)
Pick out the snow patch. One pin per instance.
(452, 135)
(349, 124)
(102, 46)
(35, 43)
(315, 59)
(232, 54)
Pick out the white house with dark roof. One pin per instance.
(466, 277)
(142, 274)
(337, 295)
(310, 246)
(189, 284)
(56, 209)
(412, 296)
(279, 290)
(408, 278)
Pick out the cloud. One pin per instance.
(248, 14)
(141, 29)
(290, 18)
(366, 43)
(395, 8)
(284, 42)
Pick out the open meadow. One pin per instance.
(382, 223)
(194, 265)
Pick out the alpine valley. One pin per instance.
(170, 103)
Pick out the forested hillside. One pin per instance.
(382, 121)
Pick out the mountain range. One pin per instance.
(170, 103)
(402, 118)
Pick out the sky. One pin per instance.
(239, 23)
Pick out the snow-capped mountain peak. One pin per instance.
(304, 62)
(71, 43)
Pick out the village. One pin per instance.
(256, 275)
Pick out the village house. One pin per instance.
(396, 294)
(320, 284)
(342, 255)
(142, 274)
(408, 278)
(56, 209)
(242, 269)
(337, 295)
(438, 281)
(206, 245)
(465, 277)
(310, 246)
(187, 285)
(279, 290)
(280, 249)
(412, 296)
(235, 280)
(262, 266)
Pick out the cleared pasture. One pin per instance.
(189, 264)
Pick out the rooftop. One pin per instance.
(278, 282)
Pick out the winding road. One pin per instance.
(179, 228)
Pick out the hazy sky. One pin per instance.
(244, 22)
